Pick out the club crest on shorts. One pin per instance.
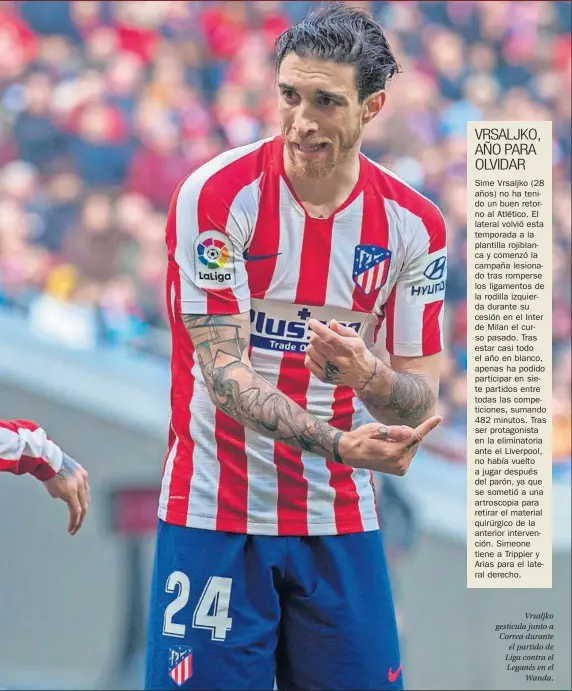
(180, 664)
(371, 267)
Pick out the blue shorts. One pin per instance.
(235, 611)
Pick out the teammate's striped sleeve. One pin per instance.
(414, 312)
(26, 448)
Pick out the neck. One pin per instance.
(339, 182)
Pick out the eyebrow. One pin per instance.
(320, 92)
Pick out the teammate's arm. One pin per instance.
(26, 448)
(221, 343)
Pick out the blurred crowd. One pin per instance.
(105, 106)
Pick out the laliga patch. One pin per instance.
(371, 267)
(214, 260)
(180, 664)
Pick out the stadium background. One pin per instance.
(104, 106)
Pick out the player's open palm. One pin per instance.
(72, 487)
(384, 449)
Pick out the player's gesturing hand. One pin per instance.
(71, 486)
(337, 354)
(385, 449)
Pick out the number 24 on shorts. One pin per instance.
(215, 597)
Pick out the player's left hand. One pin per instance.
(337, 355)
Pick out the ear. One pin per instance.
(372, 105)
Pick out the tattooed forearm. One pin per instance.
(221, 344)
(405, 399)
(248, 398)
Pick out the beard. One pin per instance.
(322, 166)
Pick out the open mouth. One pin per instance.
(310, 148)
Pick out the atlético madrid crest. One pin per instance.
(180, 664)
(371, 267)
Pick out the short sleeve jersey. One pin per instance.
(239, 241)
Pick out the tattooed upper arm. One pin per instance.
(219, 340)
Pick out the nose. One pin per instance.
(304, 123)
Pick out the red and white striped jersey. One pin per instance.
(26, 448)
(240, 241)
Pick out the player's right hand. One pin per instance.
(72, 487)
(385, 449)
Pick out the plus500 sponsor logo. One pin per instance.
(272, 333)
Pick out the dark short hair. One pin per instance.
(343, 34)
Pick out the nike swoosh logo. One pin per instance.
(392, 676)
(259, 257)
